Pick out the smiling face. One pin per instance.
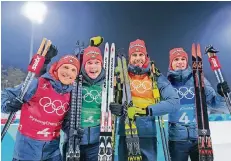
(67, 73)
(179, 63)
(137, 59)
(93, 68)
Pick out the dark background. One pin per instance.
(163, 26)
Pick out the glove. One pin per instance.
(52, 52)
(79, 133)
(14, 104)
(96, 41)
(148, 111)
(116, 108)
(223, 88)
(135, 111)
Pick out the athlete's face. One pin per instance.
(179, 63)
(93, 68)
(67, 73)
(137, 59)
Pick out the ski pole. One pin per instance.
(216, 67)
(34, 68)
(73, 149)
(160, 118)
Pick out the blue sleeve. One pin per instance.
(10, 93)
(213, 99)
(170, 99)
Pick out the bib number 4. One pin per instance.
(44, 132)
(185, 118)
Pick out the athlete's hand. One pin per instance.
(116, 109)
(223, 88)
(135, 111)
(14, 105)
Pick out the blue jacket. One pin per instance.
(182, 123)
(146, 125)
(25, 147)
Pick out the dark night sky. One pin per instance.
(163, 26)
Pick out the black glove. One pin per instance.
(116, 109)
(79, 133)
(223, 88)
(52, 52)
(148, 111)
(14, 104)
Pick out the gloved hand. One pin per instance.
(79, 133)
(52, 52)
(148, 111)
(223, 88)
(96, 41)
(14, 104)
(116, 108)
(135, 111)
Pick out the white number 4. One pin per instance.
(184, 118)
(44, 132)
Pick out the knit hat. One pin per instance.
(92, 52)
(175, 53)
(139, 46)
(68, 59)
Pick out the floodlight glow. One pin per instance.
(35, 11)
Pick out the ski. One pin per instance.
(73, 149)
(204, 139)
(119, 81)
(160, 118)
(132, 139)
(216, 68)
(105, 147)
(34, 69)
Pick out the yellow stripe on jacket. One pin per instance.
(141, 90)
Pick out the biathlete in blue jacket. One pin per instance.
(43, 111)
(182, 123)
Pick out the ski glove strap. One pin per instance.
(223, 89)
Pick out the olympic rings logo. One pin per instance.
(140, 86)
(56, 106)
(184, 92)
(92, 95)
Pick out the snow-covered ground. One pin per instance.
(220, 133)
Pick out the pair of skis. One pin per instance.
(132, 139)
(216, 67)
(34, 69)
(73, 148)
(204, 139)
(106, 140)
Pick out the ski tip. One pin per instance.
(113, 47)
(199, 50)
(193, 49)
(106, 47)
